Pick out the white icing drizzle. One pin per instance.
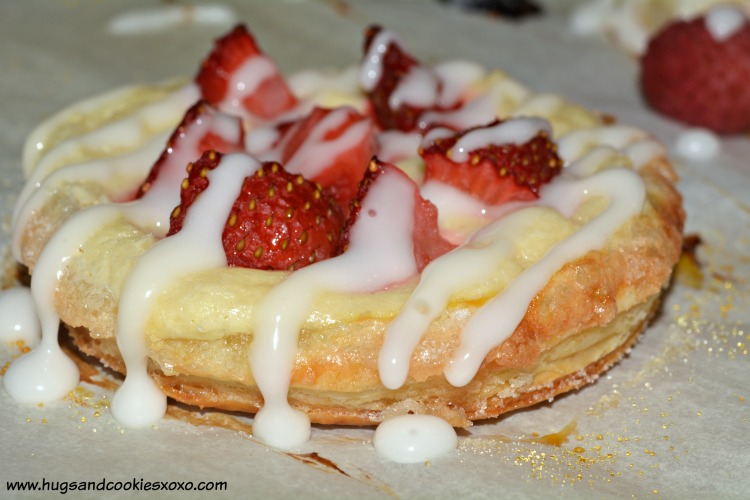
(125, 134)
(317, 151)
(478, 111)
(152, 211)
(198, 246)
(18, 319)
(493, 323)
(30, 376)
(380, 254)
(246, 80)
(394, 145)
(372, 66)
(638, 145)
(456, 77)
(117, 175)
(411, 439)
(261, 140)
(516, 131)
(46, 374)
(153, 20)
(419, 88)
(724, 21)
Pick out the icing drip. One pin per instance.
(46, 374)
(418, 88)
(495, 321)
(380, 254)
(198, 246)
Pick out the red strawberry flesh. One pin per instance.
(280, 221)
(202, 128)
(395, 67)
(690, 76)
(331, 147)
(494, 173)
(266, 94)
(428, 244)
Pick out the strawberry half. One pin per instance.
(698, 78)
(236, 73)
(387, 67)
(279, 221)
(332, 148)
(427, 242)
(494, 173)
(202, 128)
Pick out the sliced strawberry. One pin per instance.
(237, 73)
(494, 173)
(331, 147)
(192, 185)
(427, 242)
(280, 221)
(699, 76)
(390, 67)
(202, 128)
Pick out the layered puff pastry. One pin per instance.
(527, 299)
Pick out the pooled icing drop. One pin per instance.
(724, 21)
(697, 144)
(18, 318)
(409, 439)
(44, 375)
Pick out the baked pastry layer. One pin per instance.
(200, 330)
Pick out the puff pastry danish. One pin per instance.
(438, 295)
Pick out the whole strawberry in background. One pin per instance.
(698, 71)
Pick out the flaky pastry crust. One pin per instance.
(577, 326)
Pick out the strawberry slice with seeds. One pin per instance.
(279, 221)
(495, 171)
(202, 128)
(427, 242)
(236, 74)
(399, 88)
(332, 148)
